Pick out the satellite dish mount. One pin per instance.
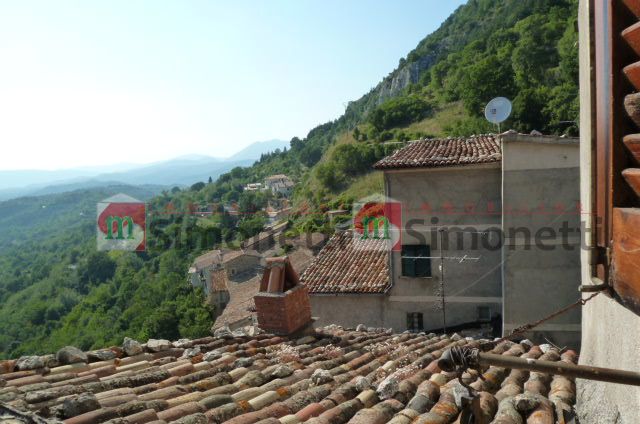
(498, 110)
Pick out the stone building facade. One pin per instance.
(460, 200)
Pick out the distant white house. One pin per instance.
(254, 187)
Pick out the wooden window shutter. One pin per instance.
(616, 38)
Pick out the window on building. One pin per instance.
(484, 313)
(416, 261)
(414, 321)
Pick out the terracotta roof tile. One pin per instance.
(444, 152)
(332, 375)
(341, 267)
(240, 304)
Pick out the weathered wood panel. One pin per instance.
(632, 176)
(634, 6)
(625, 271)
(632, 141)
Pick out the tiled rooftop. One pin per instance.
(207, 260)
(235, 254)
(332, 376)
(444, 152)
(240, 304)
(342, 267)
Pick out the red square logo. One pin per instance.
(121, 224)
(378, 218)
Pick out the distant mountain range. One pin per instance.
(254, 150)
(181, 171)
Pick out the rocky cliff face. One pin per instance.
(409, 73)
(405, 74)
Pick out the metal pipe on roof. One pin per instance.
(470, 358)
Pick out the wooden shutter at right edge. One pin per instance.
(617, 80)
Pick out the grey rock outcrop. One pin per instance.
(223, 333)
(79, 404)
(71, 355)
(131, 347)
(29, 363)
(101, 355)
(158, 345)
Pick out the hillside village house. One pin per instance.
(475, 190)
(253, 187)
(239, 263)
(202, 268)
(279, 184)
(218, 289)
(235, 264)
(268, 239)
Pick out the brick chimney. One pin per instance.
(282, 304)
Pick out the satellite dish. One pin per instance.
(497, 110)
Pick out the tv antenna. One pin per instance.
(441, 287)
(498, 110)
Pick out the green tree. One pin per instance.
(251, 225)
(329, 175)
(98, 267)
(399, 111)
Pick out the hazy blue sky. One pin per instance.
(87, 83)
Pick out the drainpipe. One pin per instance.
(387, 193)
(502, 250)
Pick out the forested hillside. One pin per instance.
(56, 290)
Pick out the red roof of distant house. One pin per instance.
(444, 152)
(342, 267)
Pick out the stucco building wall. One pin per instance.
(243, 265)
(541, 227)
(465, 201)
(348, 310)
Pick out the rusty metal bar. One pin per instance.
(463, 358)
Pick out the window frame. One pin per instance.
(415, 321)
(415, 253)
